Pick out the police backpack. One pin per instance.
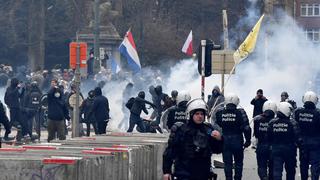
(130, 102)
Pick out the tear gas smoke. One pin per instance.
(282, 61)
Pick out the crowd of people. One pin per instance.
(279, 129)
(46, 99)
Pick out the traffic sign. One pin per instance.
(73, 54)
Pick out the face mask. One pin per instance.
(57, 95)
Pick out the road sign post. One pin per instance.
(78, 57)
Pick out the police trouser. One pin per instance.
(309, 154)
(264, 161)
(135, 119)
(233, 150)
(284, 154)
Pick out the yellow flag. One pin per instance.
(248, 44)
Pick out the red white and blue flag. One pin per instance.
(187, 47)
(128, 49)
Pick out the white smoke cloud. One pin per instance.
(282, 61)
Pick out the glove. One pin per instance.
(246, 144)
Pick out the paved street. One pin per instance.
(250, 167)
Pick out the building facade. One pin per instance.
(307, 15)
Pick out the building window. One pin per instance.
(313, 34)
(316, 10)
(303, 11)
(310, 10)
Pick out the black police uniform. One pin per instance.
(283, 134)
(263, 151)
(190, 147)
(234, 123)
(177, 114)
(308, 119)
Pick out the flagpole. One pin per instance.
(203, 51)
(226, 83)
(226, 44)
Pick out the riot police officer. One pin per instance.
(308, 119)
(260, 131)
(191, 145)
(283, 135)
(234, 123)
(177, 113)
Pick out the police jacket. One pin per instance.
(57, 108)
(260, 126)
(308, 119)
(139, 105)
(283, 131)
(100, 107)
(177, 114)
(190, 148)
(234, 121)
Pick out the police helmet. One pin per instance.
(232, 98)
(285, 108)
(196, 104)
(183, 96)
(269, 105)
(310, 96)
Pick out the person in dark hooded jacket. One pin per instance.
(85, 109)
(12, 98)
(57, 112)
(258, 102)
(100, 109)
(158, 99)
(216, 99)
(138, 106)
(31, 106)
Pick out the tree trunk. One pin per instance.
(36, 34)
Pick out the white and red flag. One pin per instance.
(187, 47)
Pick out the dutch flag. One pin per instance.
(128, 49)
